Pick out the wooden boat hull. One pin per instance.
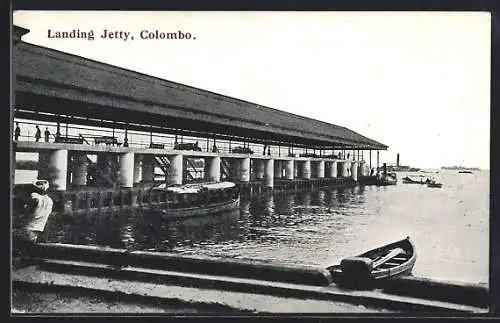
(202, 210)
(393, 268)
(407, 180)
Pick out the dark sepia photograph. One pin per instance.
(250, 162)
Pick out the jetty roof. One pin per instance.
(55, 82)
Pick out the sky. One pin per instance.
(418, 82)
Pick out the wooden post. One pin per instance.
(377, 160)
(370, 160)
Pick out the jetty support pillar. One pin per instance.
(137, 168)
(54, 168)
(148, 168)
(127, 170)
(269, 172)
(79, 169)
(259, 168)
(243, 169)
(320, 171)
(306, 169)
(289, 169)
(212, 169)
(363, 169)
(333, 169)
(354, 170)
(176, 163)
(345, 166)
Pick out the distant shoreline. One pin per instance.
(460, 168)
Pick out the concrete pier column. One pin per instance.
(137, 168)
(234, 168)
(354, 171)
(269, 172)
(212, 169)
(306, 169)
(333, 169)
(277, 169)
(176, 169)
(243, 169)
(79, 169)
(54, 168)
(259, 168)
(320, 170)
(289, 169)
(127, 170)
(362, 169)
(345, 166)
(148, 168)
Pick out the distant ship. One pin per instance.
(400, 168)
(459, 168)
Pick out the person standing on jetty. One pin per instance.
(17, 132)
(38, 134)
(31, 211)
(47, 134)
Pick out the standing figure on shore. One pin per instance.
(17, 132)
(32, 210)
(47, 134)
(38, 134)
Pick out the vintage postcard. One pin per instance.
(250, 162)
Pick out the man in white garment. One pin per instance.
(34, 212)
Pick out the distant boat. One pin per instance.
(401, 168)
(392, 260)
(387, 179)
(465, 172)
(434, 184)
(409, 180)
(200, 199)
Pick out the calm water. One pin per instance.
(450, 226)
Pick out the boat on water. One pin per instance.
(386, 262)
(200, 199)
(387, 179)
(409, 180)
(465, 172)
(434, 184)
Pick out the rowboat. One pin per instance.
(409, 180)
(200, 199)
(387, 179)
(392, 260)
(434, 184)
